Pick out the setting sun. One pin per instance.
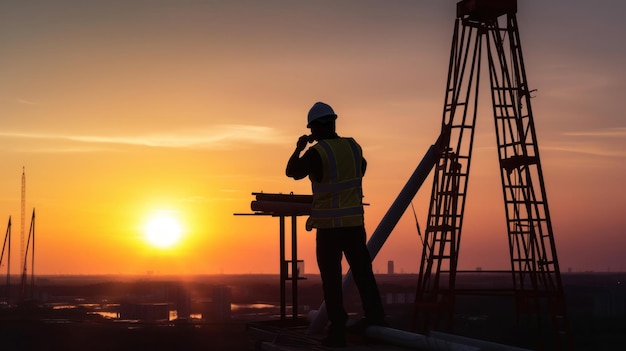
(162, 230)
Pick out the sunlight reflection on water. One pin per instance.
(235, 306)
(111, 311)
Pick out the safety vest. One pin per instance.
(338, 196)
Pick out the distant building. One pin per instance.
(218, 309)
(152, 312)
(182, 298)
(390, 269)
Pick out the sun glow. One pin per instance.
(163, 230)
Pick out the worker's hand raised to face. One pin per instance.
(302, 141)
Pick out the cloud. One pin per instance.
(575, 81)
(608, 132)
(607, 142)
(225, 136)
(220, 136)
(586, 149)
(27, 102)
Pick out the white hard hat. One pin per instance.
(320, 110)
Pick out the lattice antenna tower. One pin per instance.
(487, 29)
(23, 220)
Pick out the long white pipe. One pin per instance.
(415, 341)
(436, 341)
(482, 344)
(389, 221)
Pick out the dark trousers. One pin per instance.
(331, 243)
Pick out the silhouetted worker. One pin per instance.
(335, 166)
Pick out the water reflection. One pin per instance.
(107, 315)
(240, 306)
(111, 311)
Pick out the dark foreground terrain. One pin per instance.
(94, 336)
(596, 307)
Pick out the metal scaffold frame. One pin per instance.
(29, 249)
(282, 206)
(534, 269)
(6, 248)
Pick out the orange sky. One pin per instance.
(119, 109)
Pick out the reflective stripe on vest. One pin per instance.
(317, 187)
(337, 198)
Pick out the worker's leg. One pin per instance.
(329, 261)
(358, 257)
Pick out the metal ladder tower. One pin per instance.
(26, 247)
(29, 249)
(6, 247)
(489, 28)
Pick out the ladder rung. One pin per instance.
(519, 225)
(513, 186)
(517, 161)
(545, 263)
(515, 143)
(449, 107)
(440, 228)
(535, 203)
(507, 117)
(449, 192)
(462, 126)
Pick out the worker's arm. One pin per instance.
(363, 166)
(300, 167)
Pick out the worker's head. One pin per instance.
(321, 121)
(321, 113)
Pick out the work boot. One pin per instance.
(336, 336)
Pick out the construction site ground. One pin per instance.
(292, 336)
